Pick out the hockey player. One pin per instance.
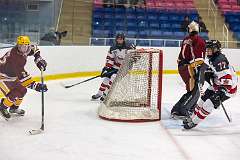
(14, 79)
(224, 86)
(114, 60)
(190, 60)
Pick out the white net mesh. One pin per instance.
(135, 94)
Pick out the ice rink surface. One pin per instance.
(73, 130)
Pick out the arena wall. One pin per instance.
(81, 61)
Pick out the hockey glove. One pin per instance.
(41, 63)
(108, 72)
(39, 87)
(221, 93)
(218, 97)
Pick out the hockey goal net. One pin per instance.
(135, 95)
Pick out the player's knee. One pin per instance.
(22, 91)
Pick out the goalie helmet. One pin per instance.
(193, 27)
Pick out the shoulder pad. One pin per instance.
(220, 63)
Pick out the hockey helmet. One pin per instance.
(193, 26)
(215, 45)
(120, 36)
(23, 45)
(23, 40)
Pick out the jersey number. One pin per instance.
(222, 65)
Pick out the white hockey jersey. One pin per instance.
(116, 55)
(224, 74)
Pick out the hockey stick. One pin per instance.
(38, 131)
(69, 86)
(225, 112)
(224, 109)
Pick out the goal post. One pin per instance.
(136, 92)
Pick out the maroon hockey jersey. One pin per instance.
(12, 64)
(192, 50)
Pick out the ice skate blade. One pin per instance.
(6, 119)
(35, 131)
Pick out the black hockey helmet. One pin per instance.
(215, 45)
(122, 36)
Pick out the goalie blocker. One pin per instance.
(135, 95)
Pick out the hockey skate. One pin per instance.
(188, 123)
(16, 111)
(4, 113)
(96, 96)
(103, 97)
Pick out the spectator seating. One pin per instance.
(231, 11)
(160, 19)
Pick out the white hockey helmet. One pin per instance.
(193, 26)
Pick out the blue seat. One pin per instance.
(143, 34)
(157, 43)
(167, 35)
(120, 24)
(142, 24)
(155, 33)
(131, 17)
(122, 28)
(97, 27)
(97, 42)
(176, 26)
(132, 28)
(235, 28)
(120, 16)
(109, 10)
(163, 18)
(171, 43)
(130, 11)
(143, 42)
(175, 18)
(179, 35)
(98, 9)
(165, 26)
(108, 16)
(120, 10)
(98, 15)
(132, 23)
(152, 17)
(140, 10)
(154, 25)
(109, 23)
(101, 33)
(131, 34)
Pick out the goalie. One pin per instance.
(224, 86)
(114, 60)
(190, 66)
(14, 78)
